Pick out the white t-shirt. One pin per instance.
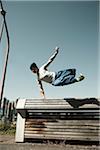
(46, 75)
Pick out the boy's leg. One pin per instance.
(64, 81)
(69, 80)
(68, 72)
(67, 77)
(63, 75)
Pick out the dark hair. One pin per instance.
(33, 65)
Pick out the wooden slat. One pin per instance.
(61, 115)
(45, 100)
(63, 106)
(64, 122)
(67, 129)
(71, 117)
(47, 103)
(54, 105)
(67, 116)
(63, 137)
(59, 109)
(35, 126)
(70, 133)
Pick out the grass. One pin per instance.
(7, 129)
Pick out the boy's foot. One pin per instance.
(80, 78)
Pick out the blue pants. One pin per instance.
(65, 77)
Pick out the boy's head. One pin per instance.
(34, 68)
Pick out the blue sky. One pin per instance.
(35, 29)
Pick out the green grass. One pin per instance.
(8, 129)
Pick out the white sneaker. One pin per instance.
(80, 78)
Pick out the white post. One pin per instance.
(20, 126)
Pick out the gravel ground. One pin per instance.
(8, 143)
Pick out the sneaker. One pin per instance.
(80, 78)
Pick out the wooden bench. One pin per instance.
(56, 119)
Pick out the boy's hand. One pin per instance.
(57, 49)
(42, 94)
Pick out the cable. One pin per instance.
(7, 53)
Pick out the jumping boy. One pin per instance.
(60, 78)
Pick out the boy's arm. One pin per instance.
(41, 88)
(52, 57)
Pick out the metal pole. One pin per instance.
(6, 56)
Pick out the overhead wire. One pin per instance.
(3, 13)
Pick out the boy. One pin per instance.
(60, 78)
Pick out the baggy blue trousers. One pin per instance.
(65, 77)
